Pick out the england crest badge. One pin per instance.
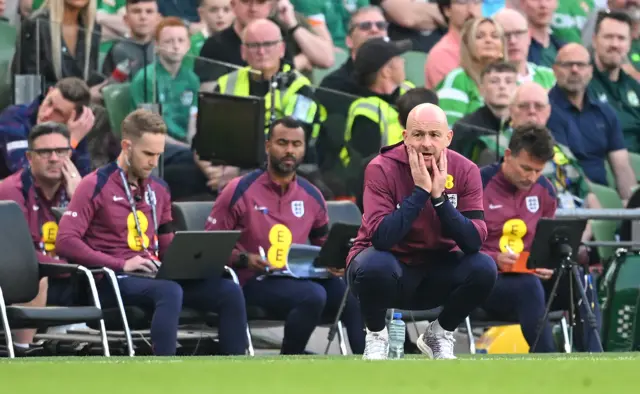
(297, 207)
(453, 198)
(533, 204)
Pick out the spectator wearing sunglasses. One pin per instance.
(445, 55)
(366, 23)
(68, 103)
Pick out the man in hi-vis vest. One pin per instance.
(263, 49)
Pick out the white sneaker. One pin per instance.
(436, 342)
(376, 345)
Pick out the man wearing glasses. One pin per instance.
(49, 181)
(588, 127)
(263, 49)
(66, 103)
(516, 33)
(445, 55)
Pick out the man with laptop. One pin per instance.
(516, 196)
(275, 209)
(120, 217)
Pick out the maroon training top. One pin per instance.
(512, 214)
(98, 228)
(43, 226)
(269, 217)
(388, 181)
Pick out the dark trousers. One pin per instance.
(522, 297)
(457, 282)
(167, 298)
(304, 304)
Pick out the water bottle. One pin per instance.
(397, 330)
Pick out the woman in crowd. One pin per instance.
(482, 43)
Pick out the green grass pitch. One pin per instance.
(609, 373)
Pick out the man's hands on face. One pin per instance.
(80, 127)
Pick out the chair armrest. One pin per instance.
(54, 269)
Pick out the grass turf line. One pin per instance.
(548, 374)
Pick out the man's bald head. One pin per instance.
(531, 90)
(427, 131)
(530, 105)
(261, 29)
(508, 17)
(573, 69)
(427, 113)
(516, 29)
(262, 46)
(573, 51)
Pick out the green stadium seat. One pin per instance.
(8, 35)
(414, 67)
(318, 74)
(634, 158)
(605, 230)
(117, 101)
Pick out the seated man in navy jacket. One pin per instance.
(589, 128)
(68, 103)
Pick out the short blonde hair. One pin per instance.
(142, 121)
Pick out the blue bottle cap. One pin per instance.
(397, 315)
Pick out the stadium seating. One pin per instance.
(117, 102)
(20, 275)
(318, 74)
(605, 230)
(414, 67)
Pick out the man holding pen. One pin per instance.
(516, 196)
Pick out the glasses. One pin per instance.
(525, 105)
(569, 65)
(264, 45)
(260, 2)
(47, 153)
(368, 25)
(515, 34)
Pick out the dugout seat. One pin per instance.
(20, 274)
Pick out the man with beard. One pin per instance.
(610, 83)
(589, 128)
(422, 229)
(275, 208)
(120, 218)
(49, 181)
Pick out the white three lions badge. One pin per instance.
(453, 198)
(532, 204)
(297, 207)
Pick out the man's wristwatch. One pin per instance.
(439, 200)
(243, 260)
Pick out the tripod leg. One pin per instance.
(334, 327)
(591, 317)
(547, 309)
